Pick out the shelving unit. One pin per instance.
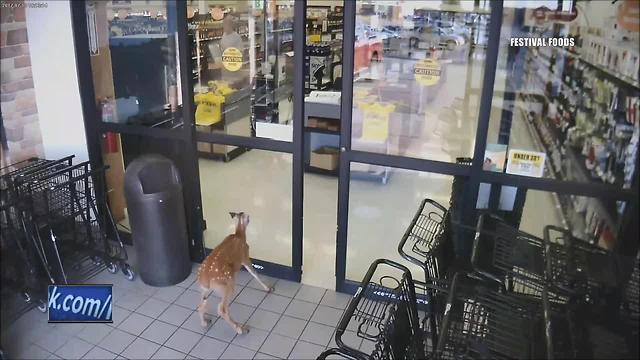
(318, 137)
(546, 67)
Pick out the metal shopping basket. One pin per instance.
(64, 209)
(383, 311)
(480, 322)
(511, 258)
(424, 243)
(583, 270)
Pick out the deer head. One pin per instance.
(243, 221)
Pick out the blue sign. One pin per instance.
(80, 303)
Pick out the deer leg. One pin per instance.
(202, 308)
(223, 308)
(249, 266)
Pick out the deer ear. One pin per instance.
(233, 215)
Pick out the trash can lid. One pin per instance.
(150, 174)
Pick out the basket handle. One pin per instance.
(353, 304)
(407, 233)
(339, 352)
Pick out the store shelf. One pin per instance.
(321, 131)
(634, 84)
(312, 169)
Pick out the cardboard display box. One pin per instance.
(321, 123)
(325, 157)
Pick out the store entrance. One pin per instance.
(243, 63)
(409, 112)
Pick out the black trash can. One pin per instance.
(155, 205)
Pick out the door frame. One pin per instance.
(474, 173)
(295, 148)
(188, 136)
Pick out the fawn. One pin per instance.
(218, 271)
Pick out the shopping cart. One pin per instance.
(583, 270)
(511, 258)
(481, 323)
(572, 333)
(21, 270)
(23, 257)
(424, 243)
(64, 209)
(54, 229)
(383, 311)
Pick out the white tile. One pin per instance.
(234, 352)
(243, 278)
(300, 309)
(349, 338)
(140, 349)
(367, 346)
(165, 353)
(275, 303)
(119, 315)
(268, 280)
(158, 332)
(286, 288)
(71, 329)
(317, 333)
(98, 353)
(175, 315)
(52, 341)
(189, 299)
(208, 348)
(264, 356)
(28, 352)
(240, 313)
(310, 293)
(278, 345)
(94, 333)
(251, 297)
(183, 340)
(290, 327)
(335, 299)
(193, 323)
(306, 351)
(327, 315)
(130, 299)
(251, 340)
(152, 307)
(221, 331)
(117, 341)
(168, 294)
(74, 349)
(135, 324)
(186, 283)
(263, 319)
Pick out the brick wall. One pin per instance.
(18, 98)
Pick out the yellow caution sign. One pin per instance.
(232, 59)
(375, 124)
(427, 72)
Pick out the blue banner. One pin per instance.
(80, 303)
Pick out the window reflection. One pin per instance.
(242, 62)
(134, 62)
(418, 68)
(574, 103)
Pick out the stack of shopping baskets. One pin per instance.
(517, 297)
(56, 227)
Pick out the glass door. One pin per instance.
(417, 75)
(242, 79)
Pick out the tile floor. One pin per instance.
(294, 322)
